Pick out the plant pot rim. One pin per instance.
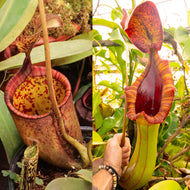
(37, 71)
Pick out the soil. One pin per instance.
(45, 171)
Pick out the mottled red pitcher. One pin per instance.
(27, 98)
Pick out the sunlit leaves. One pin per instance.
(115, 13)
(110, 122)
(166, 184)
(98, 143)
(98, 119)
(181, 34)
(181, 86)
(112, 85)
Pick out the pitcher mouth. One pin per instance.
(16, 81)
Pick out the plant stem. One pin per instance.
(178, 179)
(79, 78)
(124, 123)
(80, 148)
(125, 108)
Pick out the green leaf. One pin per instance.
(5, 173)
(186, 50)
(96, 35)
(81, 91)
(98, 142)
(116, 37)
(61, 53)
(110, 24)
(170, 30)
(166, 184)
(96, 101)
(19, 164)
(39, 181)
(69, 183)
(110, 122)
(15, 15)
(96, 137)
(181, 35)
(174, 122)
(181, 86)
(98, 119)
(8, 132)
(85, 174)
(115, 13)
(174, 64)
(112, 85)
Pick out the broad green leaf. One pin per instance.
(170, 30)
(83, 36)
(85, 174)
(173, 124)
(61, 53)
(116, 37)
(111, 122)
(112, 85)
(186, 50)
(96, 101)
(98, 119)
(181, 86)
(96, 137)
(8, 132)
(96, 35)
(166, 184)
(110, 24)
(98, 142)
(15, 15)
(181, 35)
(67, 183)
(81, 91)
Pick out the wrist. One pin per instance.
(116, 168)
(112, 171)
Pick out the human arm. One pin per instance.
(114, 156)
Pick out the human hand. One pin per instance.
(115, 155)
